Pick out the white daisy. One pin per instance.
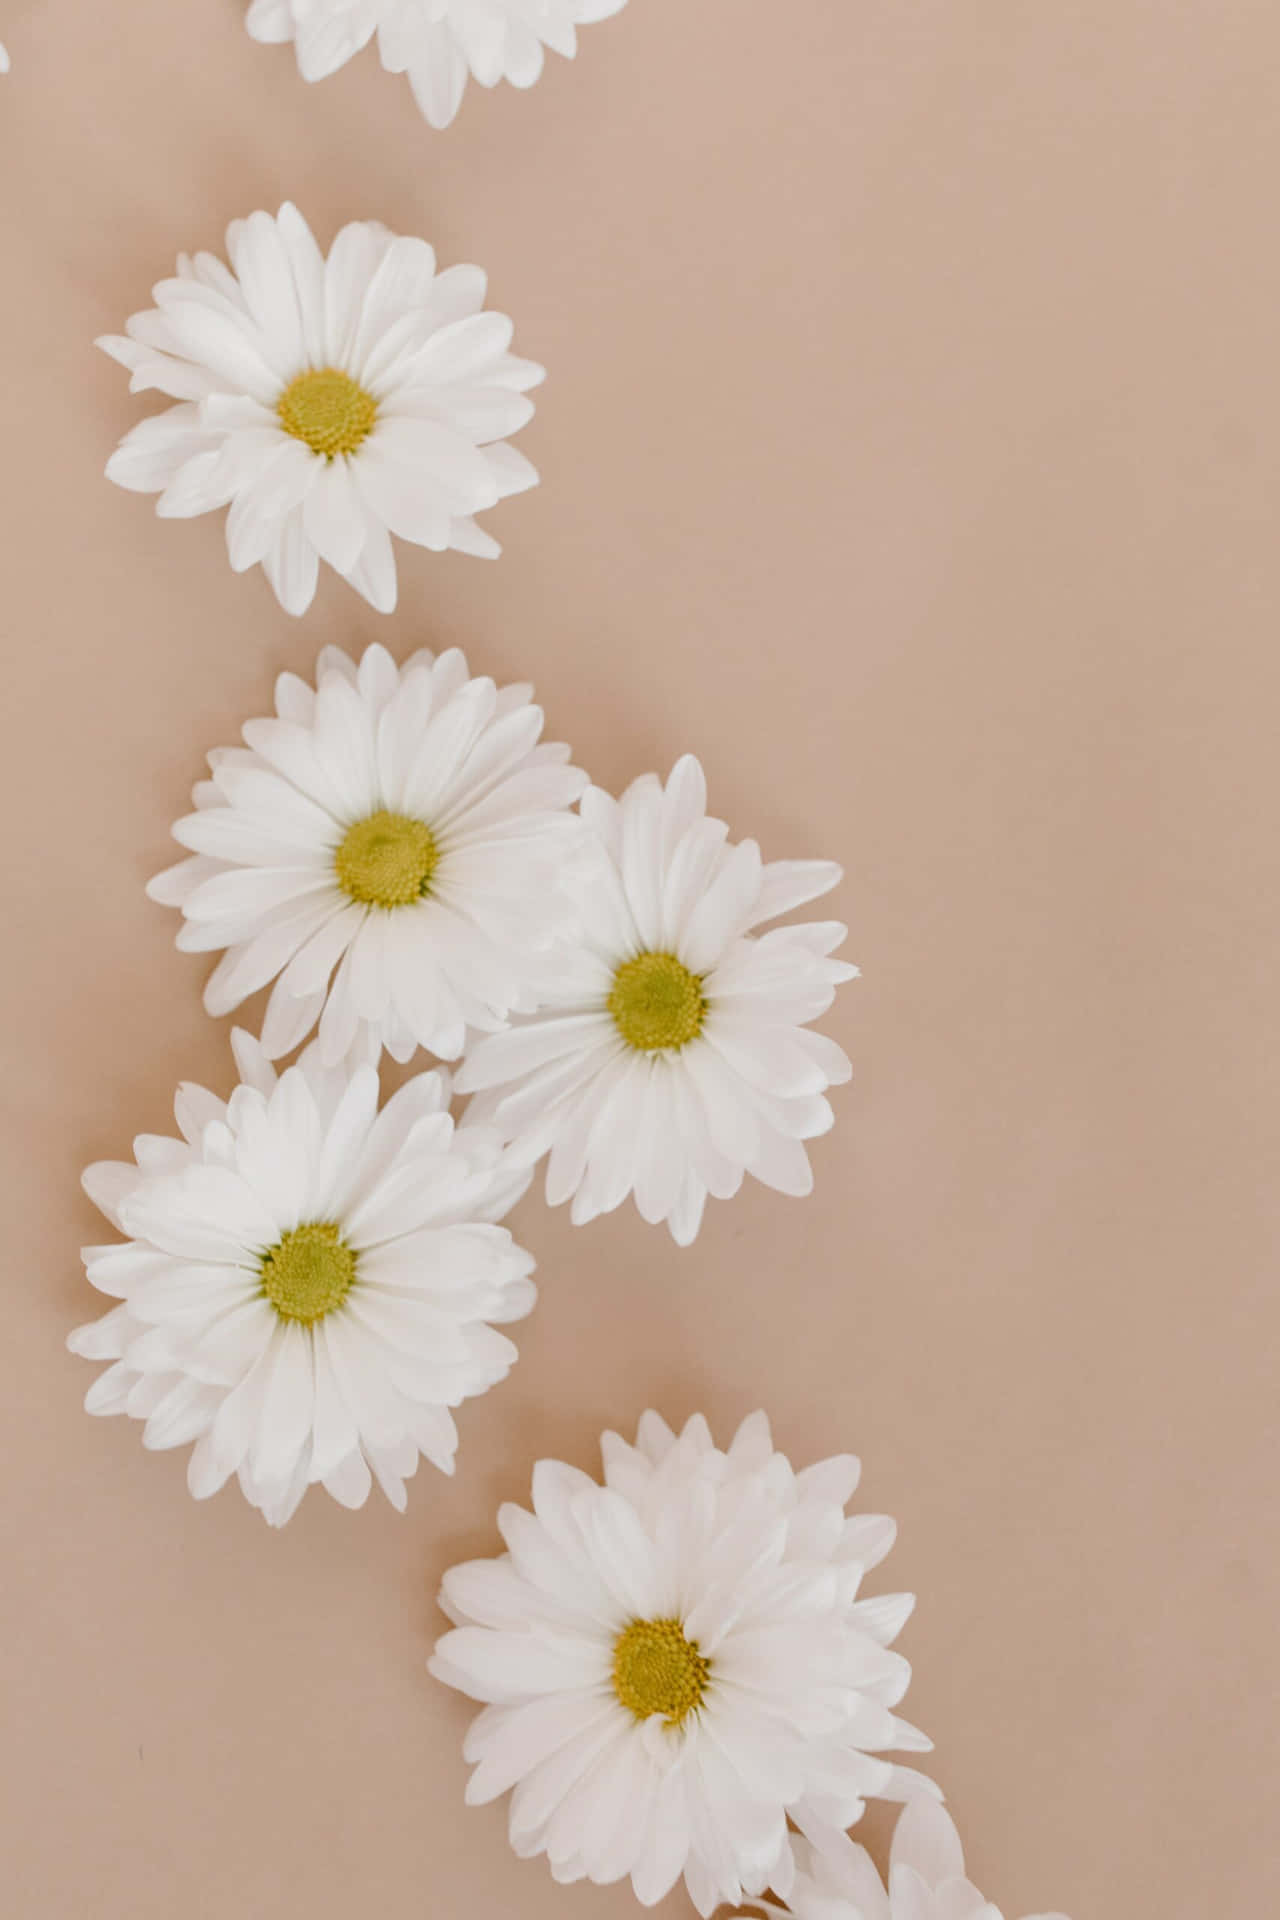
(332, 402)
(676, 1663)
(926, 1876)
(307, 1284)
(674, 1056)
(403, 825)
(4, 58)
(438, 43)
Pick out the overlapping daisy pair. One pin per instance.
(396, 852)
(439, 44)
(329, 401)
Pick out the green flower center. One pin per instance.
(656, 1002)
(327, 409)
(656, 1670)
(387, 860)
(308, 1273)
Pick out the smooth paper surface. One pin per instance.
(909, 452)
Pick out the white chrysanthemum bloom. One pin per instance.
(676, 1664)
(307, 1284)
(438, 43)
(403, 825)
(673, 1056)
(330, 402)
(926, 1877)
(4, 58)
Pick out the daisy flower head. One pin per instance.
(307, 1286)
(401, 829)
(676, 1664)
(837, 1881)
(329, 402)
(674, 1054)
(4, 58)
(440, 44)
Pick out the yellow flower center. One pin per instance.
(656, 1670)
(327, 409)
(308, 1273)
(387, 860)
(656, 1002)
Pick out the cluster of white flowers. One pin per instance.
(680, 1676)
(306, 1287)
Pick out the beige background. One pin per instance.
(909, 452)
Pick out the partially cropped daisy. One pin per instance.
(402, 825)
(4, 58)
(926, 1876)
(438, 43)
(330, 402)
(674, 1054)
(676, 1664)
(307, 1285)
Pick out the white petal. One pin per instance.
(926, 1840)
(349, 1482)
(333, 517)
(510, 1667)
(791, 883)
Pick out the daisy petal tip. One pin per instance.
(217, 1002)
(101, 1181)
